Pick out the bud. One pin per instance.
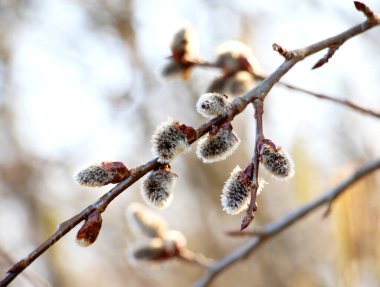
(157, 187)
(234, 56)
(212, 104)
(183, 45)
(220, 143)
(170, 139)
(236, 191)
(90, 229)
(276, 160)
(102, 174)
(142, 220)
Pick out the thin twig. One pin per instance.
(259, 110)
(237, 106)
(270, 230)
(195, 258)
(33, 278)
(343, 102)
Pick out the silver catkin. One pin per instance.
(276, 161)
(94, 175)
(157, 187)
(213, 148)
(168, 141)
(235, 194)
(211, 104)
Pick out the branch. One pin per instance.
(343, 102)
(259, 110)
(237, 106)
(271, 230)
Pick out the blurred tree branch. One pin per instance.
(237, 106)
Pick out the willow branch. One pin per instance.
(259, 110)
(269, 231)
(237, 106)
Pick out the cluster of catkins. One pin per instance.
(159, 242)
(172, 138)
(237, 189)
(235, 59)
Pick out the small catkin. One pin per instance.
(102, 174)
(236, 192)
(156, 188)
(276, 161)
(212, 104)
(184, 44)
(169, 140)
(214, 148)
(144, 221)
(152, 251)
(234, 56)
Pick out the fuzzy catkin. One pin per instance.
(213, 148)
(236, 193)
(156, 188)
(211, 104)
(94, 175)
(151, 251)
(184, 44)
(276, 161)
(143, 221)
(168, 141)
(102, 174)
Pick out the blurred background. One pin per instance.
(80, 83)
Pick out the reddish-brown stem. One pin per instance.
(101, 204)
(259, 110)
(63, 228)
